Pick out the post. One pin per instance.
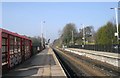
(116, 14)
(42, 33)
(72, 37)
(42, 40)
(117, 26)
(83, 36)
(8, 50)
(45, 36)
(0, 53)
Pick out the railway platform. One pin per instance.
(43, 64)
(107, 57)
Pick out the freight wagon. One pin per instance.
(15, 49)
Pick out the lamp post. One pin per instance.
(42, 32)
(83, 36)
(0, 63)
(72, 37)
(117, 25)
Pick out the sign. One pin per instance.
(116, 34)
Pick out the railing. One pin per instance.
(115, 48)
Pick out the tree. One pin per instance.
(89, 34)
(36, 41)
(105, 34)
(67, 33)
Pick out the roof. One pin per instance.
(14, 34)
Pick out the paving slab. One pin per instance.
(44, 64)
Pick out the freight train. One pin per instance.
(15, 49)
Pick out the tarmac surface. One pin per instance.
(42, 64)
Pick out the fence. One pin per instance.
(115, 48)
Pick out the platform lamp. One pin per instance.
(42, 33)
(83, 36)
(116, 17)
(117, 25)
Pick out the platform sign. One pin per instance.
(116, 34)
(0, 53)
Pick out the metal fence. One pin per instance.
(115, 48)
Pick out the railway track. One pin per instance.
(110, 69)
(69, 72)
(86, 67)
